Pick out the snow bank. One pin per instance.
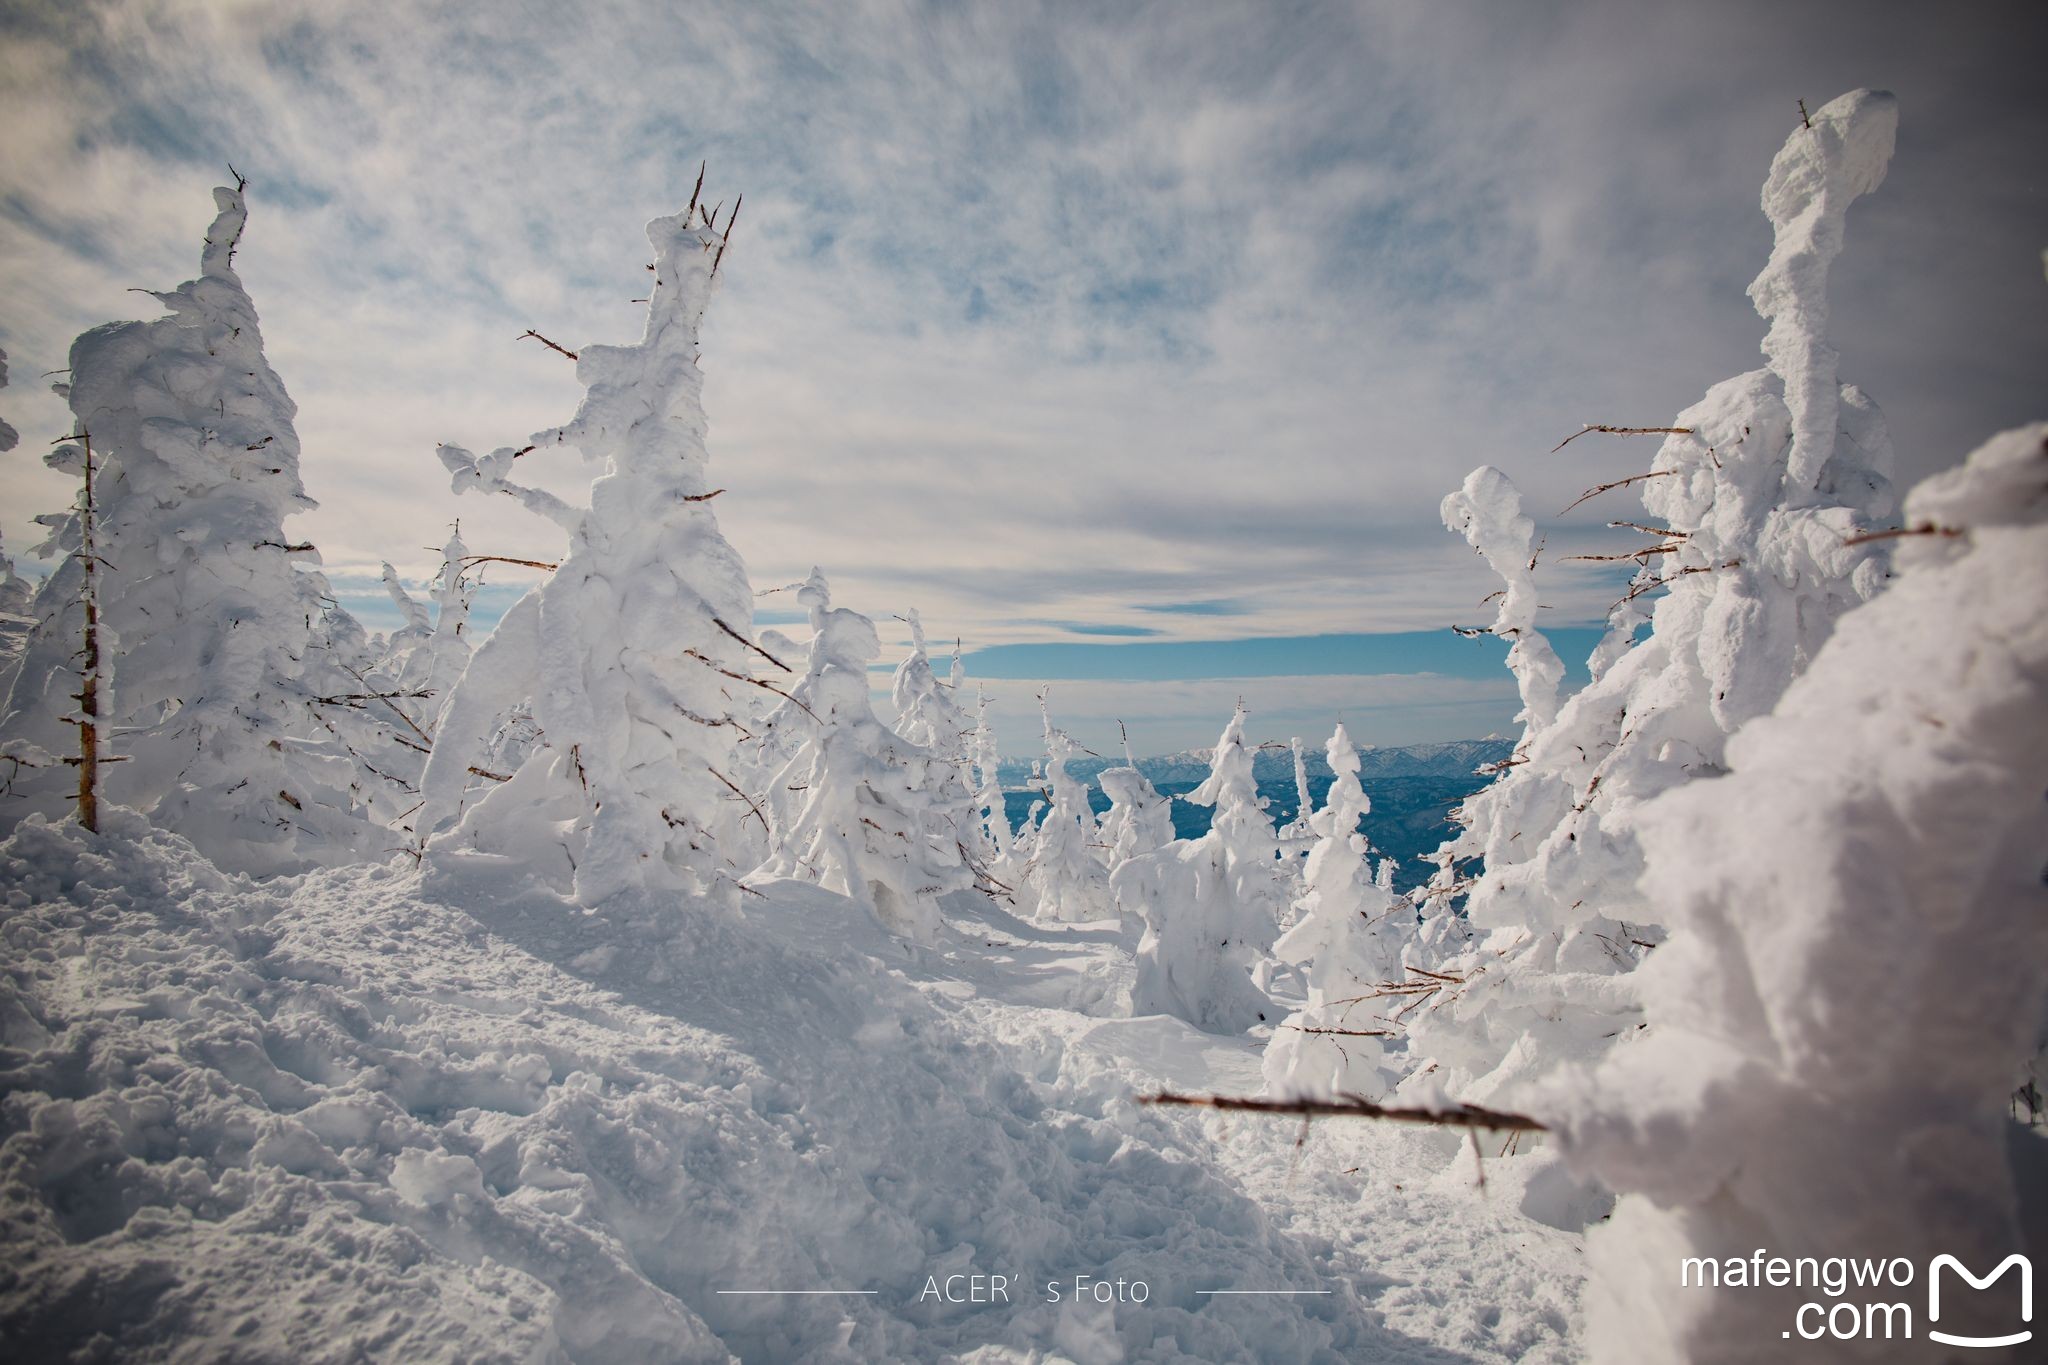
(358, 1116)
(1854, 983)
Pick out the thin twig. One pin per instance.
(507, 559)
(726, 240)
(740, 794)
(1647, 584)
(1895, 532)
(1468, 1116)
(1620, 431)
(717, 667)
(1596, 491)
(1638, 555)
(751, 645)
(552, 346)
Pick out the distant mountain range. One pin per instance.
(1458, 758)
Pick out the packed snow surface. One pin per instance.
(366, 1114)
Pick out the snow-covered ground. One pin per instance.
(370, 1114)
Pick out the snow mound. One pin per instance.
(362, 1114)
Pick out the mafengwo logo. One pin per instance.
(1847, 1318)
(2026, 1269)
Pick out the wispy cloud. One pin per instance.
(1036, 312)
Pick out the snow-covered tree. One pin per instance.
(1760, 500)
(1487, 511)
(993, 816)
(396, 687)
(928, 714)
(1854, 980)
(1298, 832)
(428, 655)
(1211, 906)
(858, 809)
(632, 654)
(212, 625)
(1348, 940)
(1067, 876)
(17, 596)
(8, 436)
(1139, 820)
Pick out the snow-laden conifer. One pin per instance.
(992, 815)
(1211, 906)
(1139, 820)
(1853, 985)
(397, 687)
(928, 714)
(1067, 876)
(633, 652)
(212, 616)
(858, 809)
(1760, 501)
(1347, 940)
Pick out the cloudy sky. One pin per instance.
(1132, 343)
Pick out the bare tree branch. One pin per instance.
(1620, 431)
(1468, 1116)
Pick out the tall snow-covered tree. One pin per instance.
(1761, 497)
(1211, 906)
(1347, 939)
(1854, 981)
(928, 714)
(858, 809)
(1068, 878)
(633, 653)
(213, 615)
(8, 436)
(1298, 831)
(16, 592)
(17, 596)
(993, 820)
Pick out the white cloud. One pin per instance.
(1034, 312)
